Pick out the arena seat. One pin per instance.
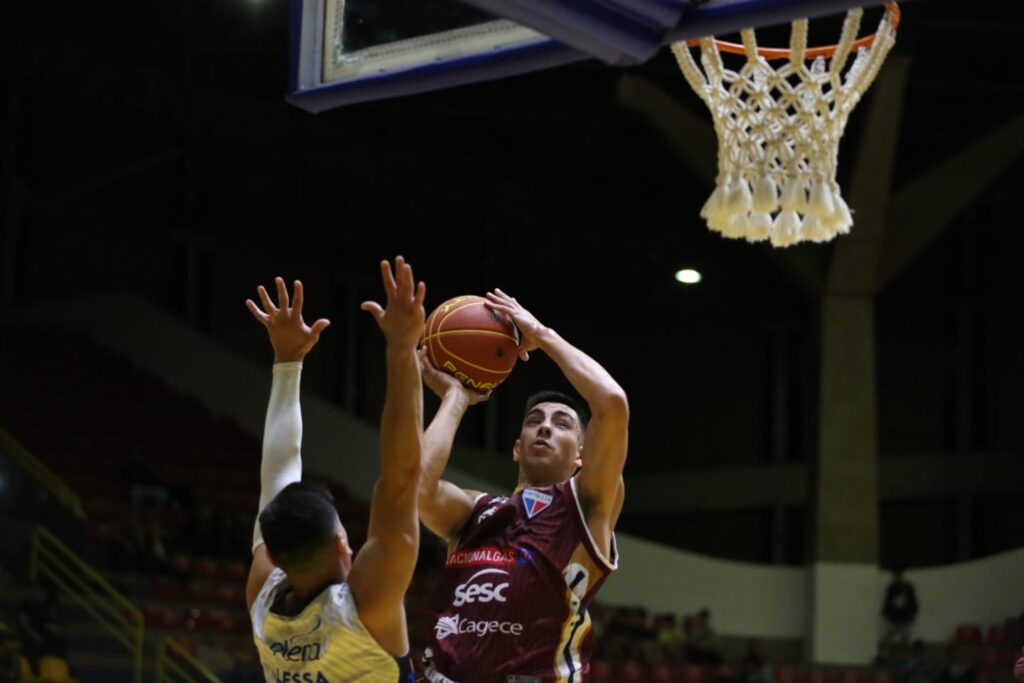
(629, 672)
(850, 676)
(882, 676)
(819, 676)
(787, 674)
(968, 634)
(662, 673)
(997, 635)
(691, 673)
(990, 658)
(600, 671)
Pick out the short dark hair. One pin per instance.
(298, 523)
(550, 396)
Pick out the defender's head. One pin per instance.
(303, 533)
(550, 444)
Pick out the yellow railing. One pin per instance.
(175, 665)
(38, 470)
(52, 560)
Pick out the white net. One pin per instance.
(779, 130)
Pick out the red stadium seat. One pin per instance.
(691, 673)
(629, 672)
(170, 589)
(968, 634)
(206, 568)
(236, 571)
(160, 617)
(990, 658)
(882, 676)
(727, 674)
(229, 594)
(819, 676)
(662, 673)
(787, 674)
(850, 676)
(997, 635)
(182, 563)
(600, 672)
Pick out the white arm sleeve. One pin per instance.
(282, 438)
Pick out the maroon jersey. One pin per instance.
(512, 602)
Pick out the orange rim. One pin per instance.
(774, 53)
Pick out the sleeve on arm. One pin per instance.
(282, 438)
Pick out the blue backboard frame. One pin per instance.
(615, 31)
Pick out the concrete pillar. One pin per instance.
(964, 537)
(780, 435)
(845, 578)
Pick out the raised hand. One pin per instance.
(530, 328)
(291, 338)
(401, 320)
(441, 383)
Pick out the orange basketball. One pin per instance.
(476, 345)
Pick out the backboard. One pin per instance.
(348, 51)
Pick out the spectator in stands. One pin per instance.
(959, 667)
(670, 637)
(39, 627)
(899, 607)
(201, 535)
(702, 643)
(140, 483)
(1018, 667)
(883, 658)
(754, 668)
(915, 668)
(615, 644)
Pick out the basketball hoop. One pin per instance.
(779, 128)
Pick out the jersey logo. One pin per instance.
(536, 502)
(479, 557)
(446, 626)
(455, 625)
(482, 591)
(492, 507)
(304, 647)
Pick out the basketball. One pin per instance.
(469, 341)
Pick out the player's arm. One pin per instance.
(606, 440)
(281, 462)
(384, 567)
(444, 507)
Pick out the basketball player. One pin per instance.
(521, 570)
(318, 615)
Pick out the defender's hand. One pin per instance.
(402, 319)
(291, 338)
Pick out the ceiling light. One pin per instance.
(688, 276)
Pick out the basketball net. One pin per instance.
(779, 129)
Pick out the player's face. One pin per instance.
(550, 442)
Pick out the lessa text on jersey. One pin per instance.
(300, 677)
